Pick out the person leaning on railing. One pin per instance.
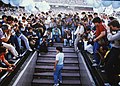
(8, 67)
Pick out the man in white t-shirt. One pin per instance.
(79, 32)
(58, 66)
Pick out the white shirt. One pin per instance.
(115, 38)
(60, 58)
(80, 30)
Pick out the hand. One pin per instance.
(54, 69)
(108, 29)
(95, 40)
(9, 33)
(9, 69)
(59, 36)
(13, 66)
(0, 70)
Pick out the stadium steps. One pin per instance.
(43, 74)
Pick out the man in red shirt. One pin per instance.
(100, 33)
(9, 67)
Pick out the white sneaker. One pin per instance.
(94, 65)
(56, 85)
(30, 50)
(60, 82)
(14, 58)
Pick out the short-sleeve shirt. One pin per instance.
(100, 28)
(60, 58)
(2, 56)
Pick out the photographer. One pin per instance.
(112, 66)
(67, 38)
(56, 34)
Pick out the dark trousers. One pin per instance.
(112, 66)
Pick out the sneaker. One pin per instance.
(119, 83)
(60, 82)
(14, 58)
(107, 84)
(20, 56)
(56, 85)
(94, 60)
(94, 64)
(30, 50)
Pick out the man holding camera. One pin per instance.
(112, 66)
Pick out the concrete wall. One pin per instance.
(26, 74)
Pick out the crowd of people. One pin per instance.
(97, 34)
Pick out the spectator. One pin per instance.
(100, 33)
(49, 35)
(79, 32)
(95, 15)
(4, 37)
(24, 24)
(56, 34)
(43, 45)
(32, 38)
(4, 19)
(112, 66)
(68, 38)
(58, 66)
(9, 66)
(22, 37)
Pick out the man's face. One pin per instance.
(23, 20)
(95, 16)
(96, 24)
(5, 18)
(113, 28)
(5, 30)
(79, 25)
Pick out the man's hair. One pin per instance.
(4, 27)
(111, 18)
(23, 17)
(96, 20)
(4, 16)
(59, 48)
(95, 14)
(90, 16)
(10, 18)
(2, 49)
(114, 23)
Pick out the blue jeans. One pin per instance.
(69, 41)
(95, 49)
(56, 37)
(24, 38)
(57, 74)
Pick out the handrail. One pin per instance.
(14, 64)
(7, 77)
(99, 81)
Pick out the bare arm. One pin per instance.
(8, 64)
(7, 38)
(100, 36)
(56, 62)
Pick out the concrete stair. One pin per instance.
(43, 74)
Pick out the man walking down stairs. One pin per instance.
(44, 69)
(58, 66)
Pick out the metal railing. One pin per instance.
(8, 76)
